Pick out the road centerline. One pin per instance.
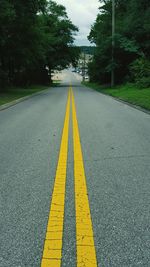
(86, 253)
(52, 253)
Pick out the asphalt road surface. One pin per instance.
(108, 158)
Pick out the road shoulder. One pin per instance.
(19, 100)
(138, 107)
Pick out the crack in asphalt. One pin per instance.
(109, 158)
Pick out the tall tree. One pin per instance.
(131, 38)
(33, 34)
(60, 31)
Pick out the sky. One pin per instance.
(83, 14)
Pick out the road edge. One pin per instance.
(19, 100)
(121, 100)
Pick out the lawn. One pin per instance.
(129, 92)
(14, 93)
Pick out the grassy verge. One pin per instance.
(14, 93)
(129, 93)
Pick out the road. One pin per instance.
(104, 169)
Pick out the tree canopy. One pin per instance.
(34, 35)
(132, 40)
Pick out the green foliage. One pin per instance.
(34, 34)
(140, 70)
(59, 31)
(132, 27)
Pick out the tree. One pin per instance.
(33, 34)
(7, 18)
(131, 38)
(60, 32)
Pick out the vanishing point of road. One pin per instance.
(74, 180)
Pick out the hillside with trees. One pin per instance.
(35, 37)
(132, 43)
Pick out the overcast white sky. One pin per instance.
(83, 14)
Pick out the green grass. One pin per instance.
(129, 93)
(14, 93)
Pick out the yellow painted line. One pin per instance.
(52, 253)
(86, 253)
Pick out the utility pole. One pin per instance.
(113, 43)
(84, 63)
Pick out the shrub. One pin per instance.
(140, 72)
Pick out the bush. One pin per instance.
(144, 82)
(140, 72)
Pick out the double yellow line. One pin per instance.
(86, 254)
